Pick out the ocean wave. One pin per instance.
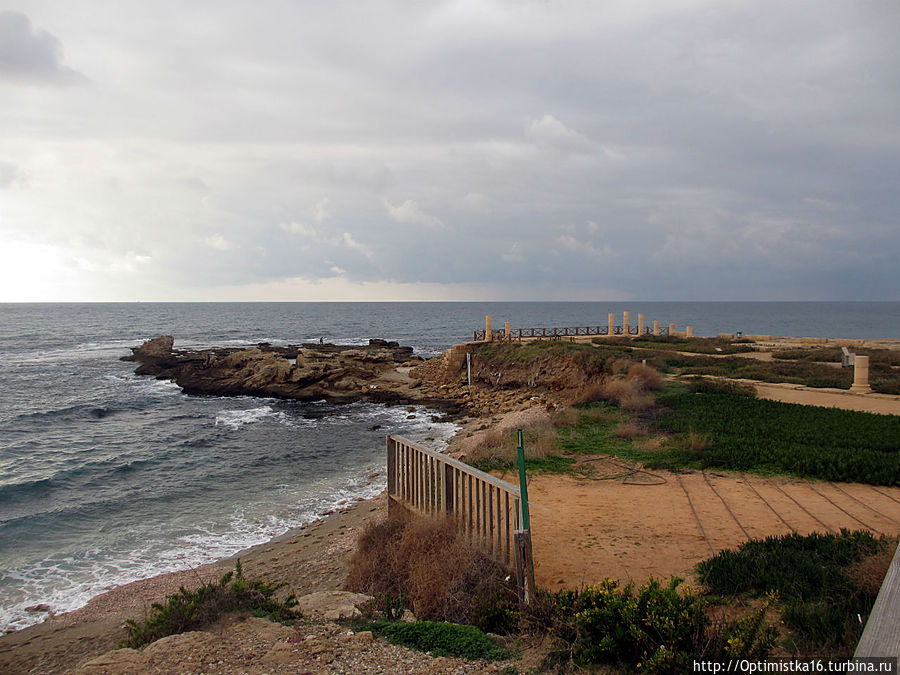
(67, 582)
(146, 386)
(75, 353)
(235, 419)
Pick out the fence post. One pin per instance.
(391, 473)
(524, 563)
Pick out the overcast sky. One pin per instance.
(547, 150)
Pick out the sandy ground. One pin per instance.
(885, 404)
(628, 527)
(587, 530)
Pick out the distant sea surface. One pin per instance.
(106, 477)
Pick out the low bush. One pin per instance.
(656, 629)
(497, 450)
(443, 575)
(441, 639)
(647, 378)
(825, 582)
(709, 385)
(626, 394)
(192, 610)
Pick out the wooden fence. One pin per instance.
(427, 482)
(551, 333)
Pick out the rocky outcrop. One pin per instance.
(312, 371)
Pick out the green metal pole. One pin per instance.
(523, 484)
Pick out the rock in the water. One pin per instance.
(159, 347)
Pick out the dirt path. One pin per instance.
(586, 530)
(885, 404)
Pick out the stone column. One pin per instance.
(689, 331)
(488, 328)
(507, 330)
(861, 375)
(624, 323)
(640, 324)
(612, 325)
(655, 327)
(671, 329)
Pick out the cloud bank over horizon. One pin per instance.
(691, 150)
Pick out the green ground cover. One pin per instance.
(773, 437)
(826, 583)
(740, 433)
(696, 345)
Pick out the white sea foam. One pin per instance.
(65, 583)
(235, 419)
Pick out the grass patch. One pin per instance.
(548, 464)
(441, 639)
(736, 432)
(523, 352)
(773, 437)
(817, 578)
(695, 345)
(193, 610)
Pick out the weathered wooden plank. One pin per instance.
(881, 636)
(463, 467)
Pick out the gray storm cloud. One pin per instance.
(683, 150)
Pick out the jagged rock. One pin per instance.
(158, 347)
(332, 605)
(338, 373)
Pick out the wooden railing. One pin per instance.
(427, 482)
(498, 335)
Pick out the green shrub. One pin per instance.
(814, 576)
(708, 385)
(656, 629)
(191, 610)
(441, 639)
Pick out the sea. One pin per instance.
(107, 477)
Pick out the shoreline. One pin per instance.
(307, 559)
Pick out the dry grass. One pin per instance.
(869, 573)
(697, 441)
(442, 574)
(650, 444)
(629, 393)
(539, 437)
(620, 366)
(628, 429)
(647, 378)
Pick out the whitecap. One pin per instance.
(235, 419)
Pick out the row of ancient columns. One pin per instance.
(860, 363)
(626, 326)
